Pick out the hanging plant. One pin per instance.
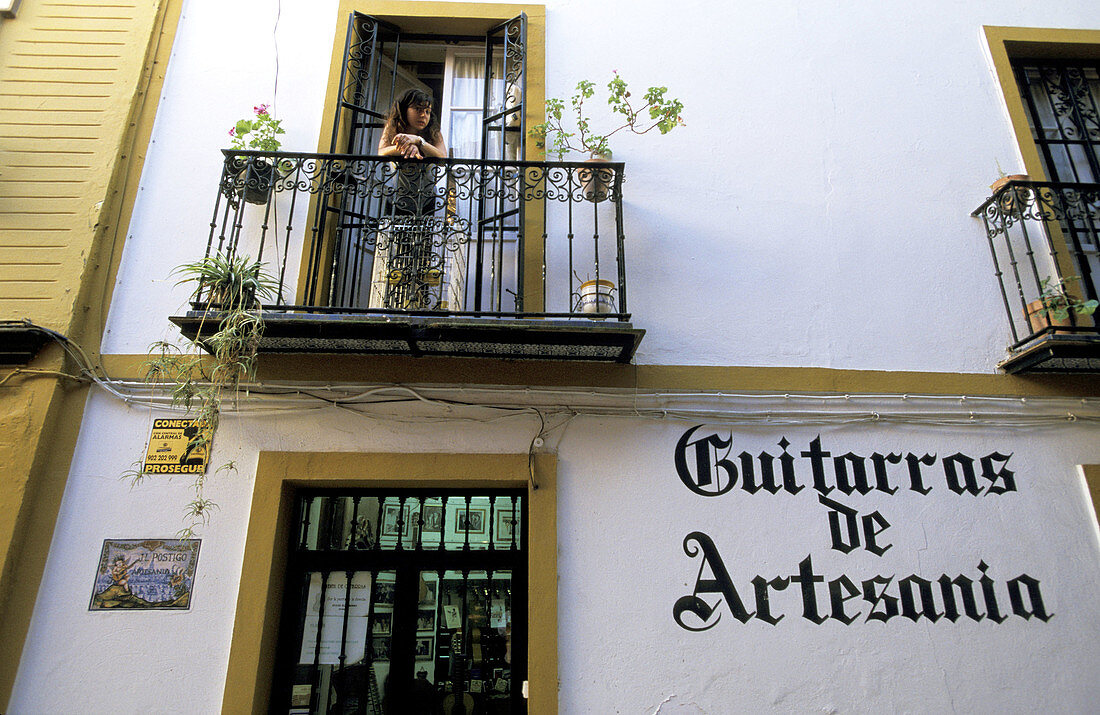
(233, 290)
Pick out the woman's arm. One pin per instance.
(412, 146)
(437, 148)
(387, 144)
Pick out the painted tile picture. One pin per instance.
(145, 574)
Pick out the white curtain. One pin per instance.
(466, 97)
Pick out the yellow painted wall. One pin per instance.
(79, 84)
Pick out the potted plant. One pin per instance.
(1055, 305)
(234, 290)
(658, 112)
(255, 180)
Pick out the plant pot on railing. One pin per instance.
(596, 182)
(596, 297)
(1008, 200)
(254, 182)
(1039, 318)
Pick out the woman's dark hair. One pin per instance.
(412, 98)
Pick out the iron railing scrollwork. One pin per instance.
(351, 233)
(1042, 235)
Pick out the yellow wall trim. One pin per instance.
(259, 601)
(1092, 481)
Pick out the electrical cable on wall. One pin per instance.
(495, 403)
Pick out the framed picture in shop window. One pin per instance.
(458, 518)
(389, 521)
(425, 647)
(505, 526)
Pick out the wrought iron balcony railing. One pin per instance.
(1045, 242)
(459, 240)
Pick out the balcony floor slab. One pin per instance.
(527, 338)
(1056, 353)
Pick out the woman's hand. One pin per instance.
(404, 140)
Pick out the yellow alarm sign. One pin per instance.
(168, 448)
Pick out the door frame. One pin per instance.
(278, 477)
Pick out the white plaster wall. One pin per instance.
(622, 564)
(814, 211)
(77, 661)
(622, 517)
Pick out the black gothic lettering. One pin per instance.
(875, 597)
(763, 604)
(908, 602)
(858, 480)
(767, 474)
(966, 593)
(809, 581)
(837, 599)
(720, 584)
(873, 525)
(1033, 594)
(882, 479)
(817, 463)
(991, 608)
(837, 530)
(951, 467)
(705, 480)
(916, 479)
(786, 462)
(1003, 475)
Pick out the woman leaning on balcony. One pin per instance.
(412, 132)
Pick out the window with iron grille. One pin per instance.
(1062, 101)
(405, 601)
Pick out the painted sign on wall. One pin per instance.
(710, 467)
(146, 574)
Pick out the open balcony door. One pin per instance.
(499, 248)
(378, 260)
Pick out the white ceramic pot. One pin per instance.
(596, 296)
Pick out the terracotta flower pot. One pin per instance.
(1007, 200)
(596, 182)
(1040, 317)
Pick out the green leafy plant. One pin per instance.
(233, 289)
(258, 133)
(659, 112)
(1058, 302)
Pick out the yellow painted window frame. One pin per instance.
(280, 474)
(458, 18)
(1091, 473)
(1008, 43)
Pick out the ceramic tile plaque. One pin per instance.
(145, 574)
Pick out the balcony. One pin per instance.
(1043, 235)
(457, 257)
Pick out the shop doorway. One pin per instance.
(404, 601)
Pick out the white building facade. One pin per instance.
(818, 480)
